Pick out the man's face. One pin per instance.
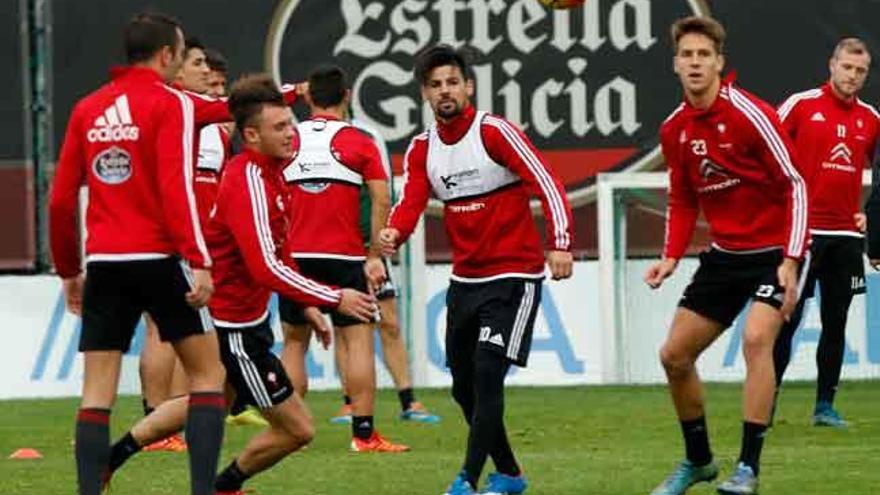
(172, 58)
(216, 83)
(697, 63)
(273, 133)
(193, 74)
(447, 91)
(848, 72)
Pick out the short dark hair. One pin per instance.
(192, 42)
(248, 96)
(851, 45)
(146, 33)
(216, 61)
(706, 26)
(437, 56)
(327, 85)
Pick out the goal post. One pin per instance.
(630, 313)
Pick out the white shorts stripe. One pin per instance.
(204, 314)
(522, 319)
(249, 371)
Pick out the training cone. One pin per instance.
(26, 454)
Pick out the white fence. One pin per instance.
(38, 356)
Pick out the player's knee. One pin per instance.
(210, 376)
(463, 393)
(757, 342)
(299, 434)
(389, 328)
(675, 362)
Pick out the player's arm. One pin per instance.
(790, 115)
(508, 145)
(774, 148)
(416, 189)
(373, 172)
(175, 128)
(63, 207)
(681, 214)
(215, 110)
(872, 209)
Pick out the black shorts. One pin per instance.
(837, 260)
(389, 288)
(724, 283)
(116, 293)
(347, 274)
(497, 316)
(255, 373)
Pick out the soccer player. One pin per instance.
(728, 156)
(484, 169)
(332, 161)
(161, 373)
(145, 252)
(246, 236)
(835, 134)
(393, 346)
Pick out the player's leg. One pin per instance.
(290, 429)
(762, 326)
(340, 355)
(843, 278)
(397, 362)
(462, 331)
(296, 344)
(259, 379)
(109, 316)
(360, 376)
(690, 334)
(717, 293)
(507, 313)
(162, 379)
(782, 346)
(156, 367)
(191, 333)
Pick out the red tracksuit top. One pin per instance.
(736, 163)
(835, 139)
(246, 237)
(130, 142)
(493, 234)
(325, 211)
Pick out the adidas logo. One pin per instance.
(115, 125)
(818, 117)
(497, 340)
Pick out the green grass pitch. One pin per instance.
(581, 440)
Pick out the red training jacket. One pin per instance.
(735, 162)
(130, 142)
(835, 139)
(246, 237)
(493, 234)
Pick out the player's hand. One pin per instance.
(388, 240)
(202, 288)
(787, 273)
(861, 222)
(374, 269)
(301, 88)
(323, 332)
(660, 271)
(560, 264)
(358, 305)
(73, 291)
